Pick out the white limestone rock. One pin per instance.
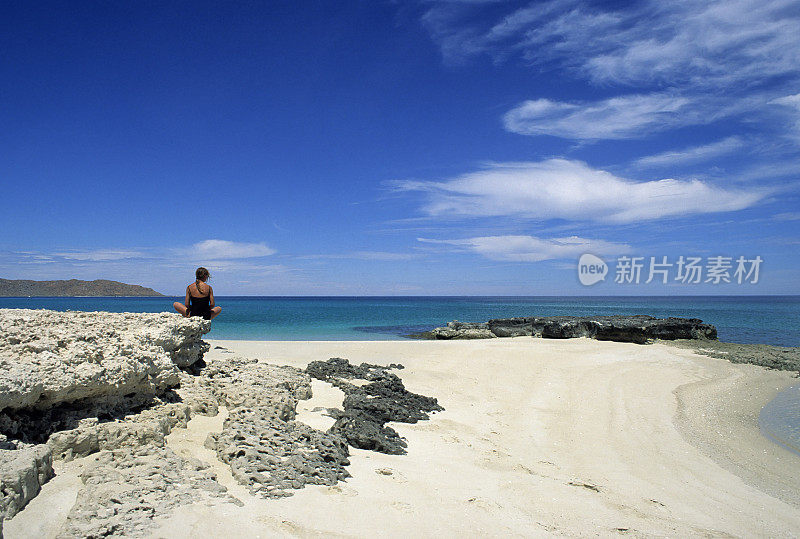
(22, 474)
(48, 357)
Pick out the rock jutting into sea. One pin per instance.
(108, 389)
(636, 328)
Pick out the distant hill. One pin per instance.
(72, 287)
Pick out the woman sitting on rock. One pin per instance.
(199, 298)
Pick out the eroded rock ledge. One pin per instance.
(636, 328)
(106, 389)
(61, 373)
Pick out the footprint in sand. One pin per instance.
(287, 526)
(388, 472)
(341, 490)
(403, 507)
(451, 439)
(483, 503)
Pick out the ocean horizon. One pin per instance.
(771, 320)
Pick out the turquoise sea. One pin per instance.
(744, 319)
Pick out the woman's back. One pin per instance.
(199, 298)
(200, 304)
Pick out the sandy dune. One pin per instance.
(539, 437)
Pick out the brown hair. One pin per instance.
(202, 274)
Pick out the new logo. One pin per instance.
(591, 269)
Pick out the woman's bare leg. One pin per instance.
(215, 311)
(181, 308)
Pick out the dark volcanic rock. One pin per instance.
(511, 327)
(368, 407)
(635, 328)
(458, 330)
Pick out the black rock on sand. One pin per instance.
(369, 406)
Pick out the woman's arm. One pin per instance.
(211, 296)
(187, 298)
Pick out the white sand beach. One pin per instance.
(538, 437)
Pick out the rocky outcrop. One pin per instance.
(70, 380)
(147, 427)
(458, 330)
(124, 490)
(131, 475)
(380, 398)
(782, 358)
(267, 450)
(271, 456)
(23, 471)
(511, 327)
(48, 358)
(106, 388)
(637, 328)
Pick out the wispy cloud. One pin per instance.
(765, 171)
(792, 102)
(362, 255)
(708, 44)
(223, 250)
(531, 248)
(711, 60)
(99, 255)
(616, 118)
(787, 216)
(571, 190)
(692, 155)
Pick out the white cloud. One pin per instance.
(531, 248)
(616, 118)
(787, 216)
(692, 155)
(571, 190)
(100, 255)
(789, 101)
(223, 250)
(363, 255)
(711, 59)
(776, 169)
(241, 268)
(792, 102)
(708, 44)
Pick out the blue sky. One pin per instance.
(430, 147)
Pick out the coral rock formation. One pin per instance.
(106, 389)
(22, 473)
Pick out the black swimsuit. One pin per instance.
(200, 306)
